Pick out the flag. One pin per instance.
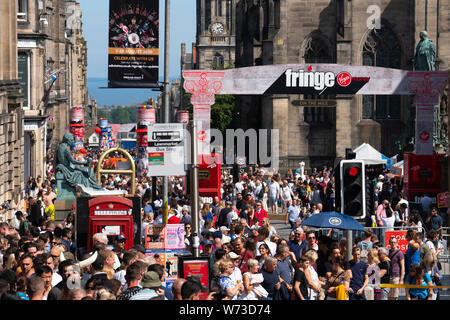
(53, 78)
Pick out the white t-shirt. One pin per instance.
(286, 193)
(388, 222)
(236, 276)
(272, 247)
(239, 187)
(274, 187)
(56, 278)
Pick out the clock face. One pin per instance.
(217, 28)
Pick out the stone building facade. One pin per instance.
(49, 41)
(336, 31)
(216, 34)
(11, 113)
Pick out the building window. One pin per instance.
(22, 10)
(218, 8)
(218, 61)
(382, 49)
(23, 71)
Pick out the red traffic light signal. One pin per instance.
(353, 171)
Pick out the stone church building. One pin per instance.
(382, 33)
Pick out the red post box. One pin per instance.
(112, 216)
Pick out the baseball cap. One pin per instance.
(217, 234)
(224, 228)
(232, 255)
(120, 238)
(150, 279)
(380, 177)
(207, 243)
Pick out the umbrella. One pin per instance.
(333, 220)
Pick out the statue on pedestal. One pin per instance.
(425, 56)
(71, 172)
(424, 60)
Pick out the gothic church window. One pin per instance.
(218, 61)
(317, 51)
(382, 49)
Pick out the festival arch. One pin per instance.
(127, 156)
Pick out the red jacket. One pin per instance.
(260, 216)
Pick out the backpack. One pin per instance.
(261, 193)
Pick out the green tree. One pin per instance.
(120, 115)
(102, 113)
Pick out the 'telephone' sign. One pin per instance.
(309, 82)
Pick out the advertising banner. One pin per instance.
(133, 44)
(442, 200)
(401, 237)
(174, 236)
(199, 268)
(154, 237)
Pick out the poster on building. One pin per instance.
(154, 237)
(174, 237)
(133, 44)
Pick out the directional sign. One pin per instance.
(166, 149)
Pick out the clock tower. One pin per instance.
(215, 33)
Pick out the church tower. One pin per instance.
(215, 34)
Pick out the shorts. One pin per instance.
(393, 293)
(272, 201)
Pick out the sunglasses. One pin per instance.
(310, 238)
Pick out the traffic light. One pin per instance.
(353, 188)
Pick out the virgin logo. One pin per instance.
(424, 136)
(344, 79)
(201, 135)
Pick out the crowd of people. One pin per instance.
(249, 260)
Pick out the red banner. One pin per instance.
(442, 200)
(401, 237)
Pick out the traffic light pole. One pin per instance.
(166, 99)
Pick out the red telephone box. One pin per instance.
(112, 216)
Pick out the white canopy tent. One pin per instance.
(370, 155)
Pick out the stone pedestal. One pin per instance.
(427, 87)
(62, 209)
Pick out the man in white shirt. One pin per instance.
(274, 194)
(239, 186)
(286, 195)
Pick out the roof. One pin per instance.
(127, 127)
(369, 154)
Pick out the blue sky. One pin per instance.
(95, 31)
